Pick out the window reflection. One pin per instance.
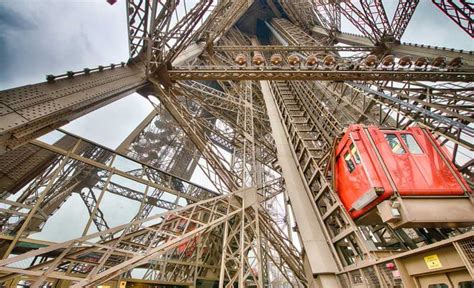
(411, 143)
(395, 144)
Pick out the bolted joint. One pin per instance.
(50, 78)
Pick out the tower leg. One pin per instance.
(321, 263)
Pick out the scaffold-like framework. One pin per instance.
(255, 94)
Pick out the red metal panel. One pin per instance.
(355, 183)
(410, 165)
(367, 176)
(417, 174)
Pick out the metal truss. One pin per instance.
(370, 18)
(73, 178)
(224, 178)
(236, 74)
(263, 132)
(293, 48)
(414, 50)
(461, 12)
(159, 142)
(371, 23)
(402, 16)
(229, 12)
(137, 22)
(161, 29)
(89, 166)
(220, 100)
(328, 15)
(126, 250)
(165, 237)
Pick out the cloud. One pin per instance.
(12, 23)
(11, 19)
(52, 37)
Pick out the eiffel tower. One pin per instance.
(256, 94)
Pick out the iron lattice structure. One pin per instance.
(254, 94)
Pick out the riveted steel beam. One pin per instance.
(234, 73)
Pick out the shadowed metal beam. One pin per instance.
(235, 73)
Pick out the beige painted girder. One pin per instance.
(183, 117)
(30, 111)
(316, 248)
(404, 48)
(304, 73)
(163, 185)
(163, 236)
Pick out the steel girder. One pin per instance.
(33, 110)
(160, 30)
(236, 74)
(219, 111)
(401, 18)
(90, 167)
(196, 132)
(404, 49)
(312, 112)
(165, 239)
(328, 15)
(360, 20)
(292, 48)
(73, 179)
(371, 19)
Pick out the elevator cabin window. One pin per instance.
(411, 144)
(355, 153)
(352, 156)
(395, 144)
(466, 284)
(349, 163)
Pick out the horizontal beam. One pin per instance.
(157, 282)
(293, 48)
(235, 73)
(198, 194)
(432, 52)
(412, 107)
(399, 50)
(346, 38)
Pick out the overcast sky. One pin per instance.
(40, 37)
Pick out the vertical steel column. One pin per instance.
(317, 251)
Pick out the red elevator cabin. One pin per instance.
(401, 177)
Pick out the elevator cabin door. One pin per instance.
(354, 177)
